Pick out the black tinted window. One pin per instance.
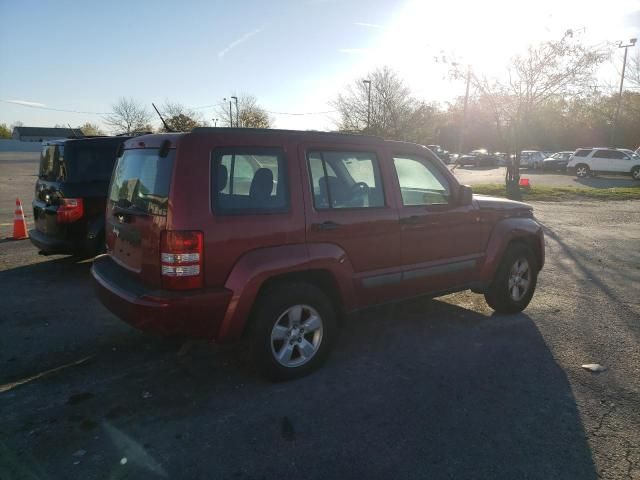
(84, 164)
(345, 180)
(249, 180)
(50, 163)
(615, 154)
(141, 181)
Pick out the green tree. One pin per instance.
(5, 132)
(180, 118)
(90, 129)
(249, 113)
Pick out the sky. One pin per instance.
(294, 56)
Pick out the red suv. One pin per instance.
(279, 235)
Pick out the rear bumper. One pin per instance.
(49, 244)
(196, 313)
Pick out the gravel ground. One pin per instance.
(426, 389)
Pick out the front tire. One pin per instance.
(635, 173)
(582, 170)
(293, 331)
(515, 280)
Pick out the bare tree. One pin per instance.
(552, 69)
(562, 68)
(180, 118)
(393, 112)
(128, 116)
(249, 114)
(632, 74)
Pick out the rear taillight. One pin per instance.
(181, 259)
(70, 210)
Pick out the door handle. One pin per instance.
(412, 220)
(328, 225)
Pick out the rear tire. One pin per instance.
(582, 170)
(515, 280)
(635, 173)
(292, 332)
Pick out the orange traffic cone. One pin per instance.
(19, 223)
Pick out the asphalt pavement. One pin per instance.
(432, 389)
(484, 175)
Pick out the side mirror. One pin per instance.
(465, 195)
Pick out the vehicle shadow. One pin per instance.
(606, 182)
(423, 389)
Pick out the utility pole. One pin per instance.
(237, 112)
(230, 114)
(368, 83)
(215, 122)
(631, 43)
(463, 126)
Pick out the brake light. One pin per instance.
(181, 259)
(70, 210)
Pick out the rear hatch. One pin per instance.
(72, 184)
(137, 208)
(48, 190)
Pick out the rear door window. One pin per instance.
(345, 179)
(582, 152)
(249, 181)
(141, 181)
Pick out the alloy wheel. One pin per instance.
(296, 336)
(519, 279)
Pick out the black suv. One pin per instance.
(70, 195)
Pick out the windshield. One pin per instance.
(141, 181)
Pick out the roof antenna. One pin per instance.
(163, 122)
(75, 135)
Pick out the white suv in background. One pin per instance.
(587, 161)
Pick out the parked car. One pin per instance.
(557, 161)
(70, 195)
(477, 158)
(531, 159)
(588, 161)
(277, 236)
(441, 153)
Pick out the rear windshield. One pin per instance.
(141, 181)
(77, 163)
(50, 163)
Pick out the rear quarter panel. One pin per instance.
(228, 237)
